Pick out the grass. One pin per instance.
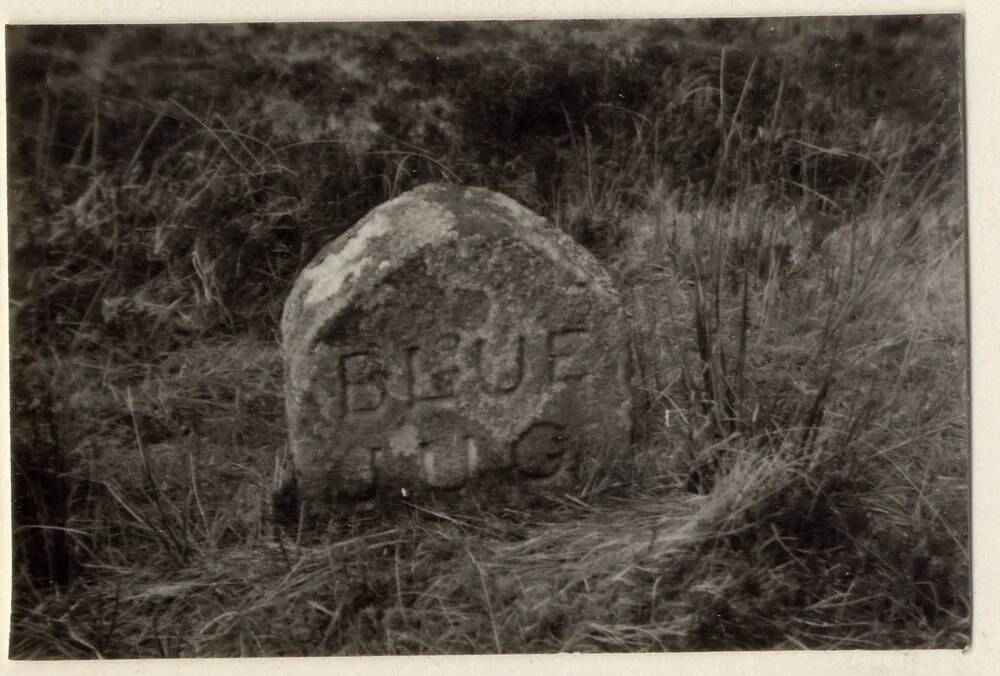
(789, 239)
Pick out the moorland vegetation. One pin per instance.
(781, 203)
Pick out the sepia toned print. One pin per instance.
(488, 337)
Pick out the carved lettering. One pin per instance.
(364, 466)
(540, 450)
(504, 373)
(449, 462)
(566, 350)
(362, 382)
(431, 373)
(472, 455)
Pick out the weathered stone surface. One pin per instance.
(451, 334)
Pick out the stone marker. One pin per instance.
(451, 334)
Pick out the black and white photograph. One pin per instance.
(469, 337)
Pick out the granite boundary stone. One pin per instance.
(450, 335)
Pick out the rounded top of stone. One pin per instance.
(425, 217)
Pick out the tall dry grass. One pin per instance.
(793, 269)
